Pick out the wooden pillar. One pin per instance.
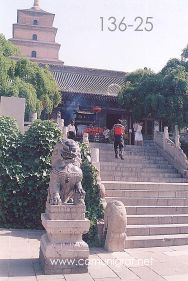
(146, 127)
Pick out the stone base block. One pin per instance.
(63, 258)
(65, 230)
(65, 212)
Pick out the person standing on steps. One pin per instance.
(138, 134)
(71, 130)
(119, 131)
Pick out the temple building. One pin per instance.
(90, 96)
(90, 90)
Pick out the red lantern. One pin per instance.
(97, 109)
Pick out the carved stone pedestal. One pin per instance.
(62, 250)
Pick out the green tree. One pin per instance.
(134, 95)
(24, 78)
(162, 96)
(175, 92)
(6, 48)
(184, 54)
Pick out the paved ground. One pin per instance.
(19, 251)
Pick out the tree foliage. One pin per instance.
(184, 54)
(138, 93)
(24, 78)
(162, 96)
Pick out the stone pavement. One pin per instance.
(19, 250)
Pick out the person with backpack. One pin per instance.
(119, 131)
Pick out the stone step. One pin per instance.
(147, 194)
(134, 161)
(124, 165)
(150, 201)
(157, 219)
(108, 157)
(124, 185)
(129, 174)
(131, 153)
(159, 229)
(118, 170)
(146, 179)
(154, 193)
(156, 241)
(104, 146)
(110, 147)
(156, 210)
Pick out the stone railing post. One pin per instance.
(177, 136)
(95, 155)
(165, 136)
(60, 122)
(65, 132)
(95, 161)
(86, 138)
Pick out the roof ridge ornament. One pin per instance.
(36, 5)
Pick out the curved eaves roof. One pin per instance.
(88, 81)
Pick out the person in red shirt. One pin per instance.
(119, 131)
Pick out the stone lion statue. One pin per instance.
(66, 175)
(115, 222)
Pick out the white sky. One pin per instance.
(84, 44)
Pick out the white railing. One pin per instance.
(172, 150)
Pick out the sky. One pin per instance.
(84, 43)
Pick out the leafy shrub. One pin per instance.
(9, 134)
(9, 166)
(25, 177)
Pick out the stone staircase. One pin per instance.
(154, 193)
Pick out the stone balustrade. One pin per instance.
(172, 150)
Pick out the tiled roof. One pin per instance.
(88, 80)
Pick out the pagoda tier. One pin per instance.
(35, 35)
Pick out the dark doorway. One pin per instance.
(148, 127)
(112, 119)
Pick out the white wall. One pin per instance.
(13, 107)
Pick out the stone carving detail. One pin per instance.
(66, 175)
(115, 222)
(64, 219)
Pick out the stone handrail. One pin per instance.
(172, 151)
